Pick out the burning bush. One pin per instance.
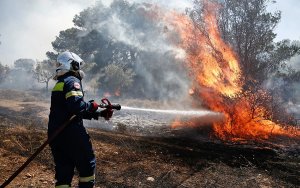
(223, 83)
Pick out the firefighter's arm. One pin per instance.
(76, 104)
(74, 99)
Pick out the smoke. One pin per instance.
(288, 91)
(295, 63)
(32, 25)
(143, 27)
(19, 79)
(293, 106)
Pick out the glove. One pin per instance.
(107, 113)
(93, 106)
(95, 115)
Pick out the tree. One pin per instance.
(51, 56)
(4, 70)
(67, 40)
(117, 78)
(128, 35)
(24, 64)
(249, 28)
(93, 46)
(43, 72)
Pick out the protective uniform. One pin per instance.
(72, 148)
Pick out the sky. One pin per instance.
(288, 28)
(27, 27)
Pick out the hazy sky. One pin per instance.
(289, 26)
(28, 27)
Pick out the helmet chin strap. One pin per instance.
(59, 73)
(81, 74)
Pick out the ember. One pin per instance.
(215, 70)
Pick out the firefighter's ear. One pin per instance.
(75, 65)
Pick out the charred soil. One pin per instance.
(131, 160)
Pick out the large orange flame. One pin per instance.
(215, 69)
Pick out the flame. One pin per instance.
(215, 70)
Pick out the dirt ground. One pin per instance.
(128, 158)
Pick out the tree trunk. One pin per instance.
(47, 84)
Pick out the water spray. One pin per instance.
(178, 118)
(174, 112)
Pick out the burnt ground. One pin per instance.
(142, 156)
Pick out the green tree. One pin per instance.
(24, 64)
(86, 39)
(95, 47)
(67, 40)
(116, 78)
(249, 28)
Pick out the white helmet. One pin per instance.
(68, 61)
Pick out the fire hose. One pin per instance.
(105, 104)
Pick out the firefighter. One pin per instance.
(72, 148)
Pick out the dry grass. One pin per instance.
(133, 161)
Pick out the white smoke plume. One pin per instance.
(142, 27)
(30, 25)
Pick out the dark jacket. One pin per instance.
(67, 100)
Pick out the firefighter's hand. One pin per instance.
(93, 106)
(95, 115)
(107, 113)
